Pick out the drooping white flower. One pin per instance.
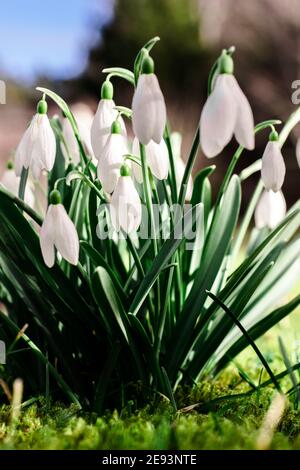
(125, 205)
(270, 210)
(101, 126)
(58, 231)
(157, 159)
(37, 147)
(84, 118)
(273, 166)
(12, 182)
(226, 113)
(148, 106)
(112, 158)
(176, 140)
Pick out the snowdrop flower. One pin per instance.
(84, 119)
(180, 165)
(37, 148)
(106, 114)
(11, 182)
(112, 158)
(58, 231)
(270, 210)
(226, 113)
(148, 106)
(272, 164)
(125, 205)
(157, 159)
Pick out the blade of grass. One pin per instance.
(248, 337)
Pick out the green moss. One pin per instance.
(233, 424)
(228, 424)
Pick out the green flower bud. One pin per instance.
(55, 197)
(42, 107)
(10, 165)
(273, 136)
(116, 128)
(107, 90)
(226, 63)
(125, 170)
(148, 65)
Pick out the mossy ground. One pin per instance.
(231, 424)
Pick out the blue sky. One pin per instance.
(48, 36)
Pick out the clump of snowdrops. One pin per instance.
(134, 274)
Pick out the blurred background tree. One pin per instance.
(180, 56)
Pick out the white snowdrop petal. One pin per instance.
(46, 239)
(158, 159)
(37, 147)
(24, 149)
(218, 117)
(65, 235)
(273, 167)
(110, 162)
(46, 141)
(144, 109)
(136, 168)
(244, 126)
(100, 130)
(101, 126)
(180, 169)
(270, 210)
(36, 167)
(125, 207)
(160, 111)
(48, 251)
(10, 181)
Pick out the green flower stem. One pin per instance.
(139, 58)
(23, 181)
(189, 168)
(22, 205)
(181, 199)
(134, 254)
(246, 220)
(172, 165)
(89, 183)
(139, 267)
(161, 324)
(148, 200)
(289, 125)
